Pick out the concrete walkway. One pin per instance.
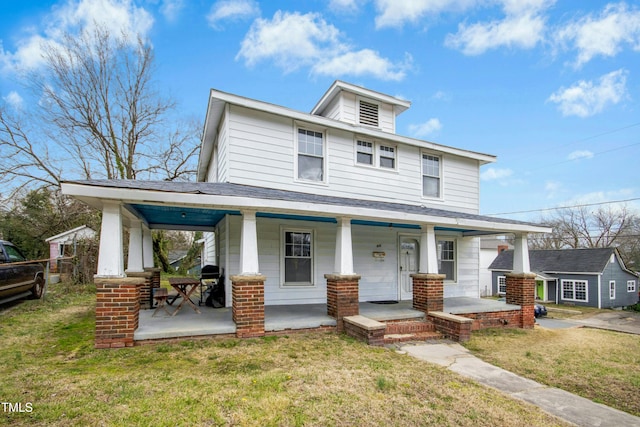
(564, 405)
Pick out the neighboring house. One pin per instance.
(64, 244)
(297, 200)
(175, 260)
(489, 248)
(588, 277)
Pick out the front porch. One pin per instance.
(281, 318)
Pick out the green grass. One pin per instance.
(600, 365)
(320, 379)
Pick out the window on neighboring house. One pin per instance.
(574, 290)
(364, 154)
(387, 157)
(310, 155)
(631, 285)
(447, 259)
(612, 289)
(430, 175)
(368, 113)
(298, 258)
(502, 284)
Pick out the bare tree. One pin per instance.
(98, 116)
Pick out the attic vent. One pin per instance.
(368, 113)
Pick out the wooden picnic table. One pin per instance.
(185, 286)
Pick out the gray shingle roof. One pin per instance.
(238, 190)
(591, 260)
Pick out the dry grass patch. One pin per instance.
(312, 380)
(600, 365)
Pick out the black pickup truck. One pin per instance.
(18, 278)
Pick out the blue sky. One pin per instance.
(550, 87)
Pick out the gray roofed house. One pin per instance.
(595, 277)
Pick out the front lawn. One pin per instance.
(314, 379)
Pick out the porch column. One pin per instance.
(428, 251)
(344, 248)
(110, 255)
(521, 254)
(147, 247)
(248, 287)
(134, 260)
(521, 283)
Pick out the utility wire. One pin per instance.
(564, 207)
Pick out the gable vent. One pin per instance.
(368, 113)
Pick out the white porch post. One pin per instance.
(134, 260)
(147, 247)
(344, 248)
(110, 256)
(428, 252)
(249, 245)
(521, 254)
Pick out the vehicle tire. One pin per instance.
(38, 288)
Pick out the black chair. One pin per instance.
(212, 286)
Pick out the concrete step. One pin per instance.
(419, 336)
(410, 330)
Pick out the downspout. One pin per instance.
(599, 291)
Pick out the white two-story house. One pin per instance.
(291, 197)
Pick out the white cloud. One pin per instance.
(425, 129)
(441, 96)
(171, 8)
(349, 6)
(117, 16)
(602, 35)
(225, 10)
(14, 100)
(552, 188)
(395, 13)
(492, 174)
(586, 98)
(293, 40)
(523, 27)
(580, 154)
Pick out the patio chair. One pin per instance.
(212, 286)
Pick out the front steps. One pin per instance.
(378, 334)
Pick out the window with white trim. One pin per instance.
(447, 259)
(574, 290)
(502, 285)
(368, 113)
(310, 155)
(430, 175)
(297, 262)
(387, 157)
(631, 285)
(612, 289)
(364, 152)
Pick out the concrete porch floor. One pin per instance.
(218, 321)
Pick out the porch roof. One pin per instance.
(200, 205)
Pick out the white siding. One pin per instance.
(209, 253)
(466, 285)
(387, 118)
(333, 110)
(262, 150)
(223, 148)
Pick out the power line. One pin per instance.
(564, 207)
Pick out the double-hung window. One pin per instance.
(631, 285)
(574, 290)
(310, 155)
(430, 175)
(447, 259)
(298, 257)
(502, 285)
(387, 157)
(612, 289)
(364, 152)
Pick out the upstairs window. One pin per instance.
(310, 155)
(364, 153)
(430, 176)
(368, 113)
(387, 157)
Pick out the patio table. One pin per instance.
(185, 286)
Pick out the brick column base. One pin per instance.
(248, 305)
(117, 311)
(342, 297)
(428, 292)
(521, 291)
(146, 292)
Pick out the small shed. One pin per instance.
(62, 244)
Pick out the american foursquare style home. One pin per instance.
(324, 212)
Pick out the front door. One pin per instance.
(408, 266)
